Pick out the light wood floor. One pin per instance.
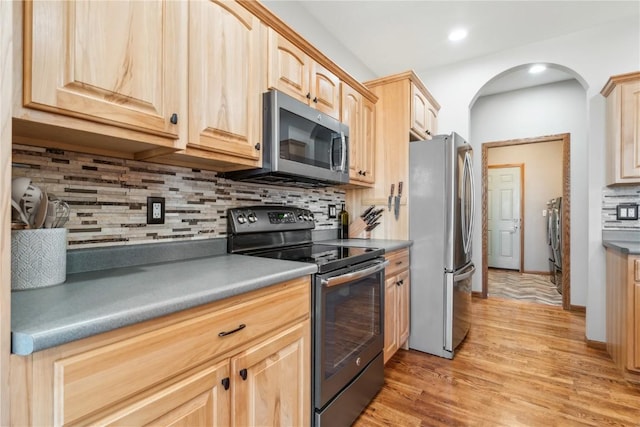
(522, 364)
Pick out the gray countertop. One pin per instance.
(631, 248)
(387, 245)
(627, 242)
(94, 302)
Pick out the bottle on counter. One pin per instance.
(343, 218)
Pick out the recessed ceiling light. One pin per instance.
(458, 34)
(538, 68)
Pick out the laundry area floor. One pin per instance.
(536, 288)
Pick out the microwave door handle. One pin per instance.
(343, 164)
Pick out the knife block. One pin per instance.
(357, 229)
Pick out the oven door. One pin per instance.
(348, 325)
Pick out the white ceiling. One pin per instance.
(396, 35)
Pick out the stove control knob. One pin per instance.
(242, 219)
(300, 217)
(306, 217)
(311, 217)
(252, 217)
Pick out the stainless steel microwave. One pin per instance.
(302, 146)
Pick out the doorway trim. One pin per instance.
(521, 166)
(566, 208)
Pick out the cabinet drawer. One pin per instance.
(398, 261)
(98, 378)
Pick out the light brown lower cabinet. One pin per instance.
(240, 361)
(397, 303)
(623, 312)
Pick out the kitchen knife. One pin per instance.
(374, 219)
(372, 226)
(369, 218)
(393, 186)
(367, 211)
(397, 201)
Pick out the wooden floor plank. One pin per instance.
(522, 364)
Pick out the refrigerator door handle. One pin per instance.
(467, 226)
(466, 275)
(473, 201)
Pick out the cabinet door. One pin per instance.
(368, 143)
(419, 109)
(289, 68)
(432, 114)
(271, 381)
(351, 105)
(325, 90)
(403, 307)
(390, 317)
(226, 80)
(113, 62)
(630, 127)
(198, 400)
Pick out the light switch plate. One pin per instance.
(627, 211)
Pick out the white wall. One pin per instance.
(542, 182)
(297, 17)
(594, 55)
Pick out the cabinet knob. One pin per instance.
(428, 132)
(400, 282)
(315, 100)
(257, 146)
(174, 118)
(225, 383)
(243, 374)
(308, 95)
(364, 173)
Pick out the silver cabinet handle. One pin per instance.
(338, 280)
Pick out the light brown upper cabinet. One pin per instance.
(359, 114)
(293, 72)
(423, 114)
(226, 80)
(623, 124)
(114, 63)
(401, 96)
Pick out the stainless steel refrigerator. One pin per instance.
(441, 220)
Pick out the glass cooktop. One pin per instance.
(327, 257)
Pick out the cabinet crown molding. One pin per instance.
(618, 80)
(406, 75)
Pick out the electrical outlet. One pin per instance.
(627, 211)
(332, 211)
(155, 210)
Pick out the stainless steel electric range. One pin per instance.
(347, 306)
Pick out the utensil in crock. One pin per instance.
(21, 214)
(19, 187)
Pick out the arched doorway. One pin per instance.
(524, 126)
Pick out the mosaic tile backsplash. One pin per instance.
(108, 197)
(611, 198)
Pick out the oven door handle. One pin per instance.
(344, 278)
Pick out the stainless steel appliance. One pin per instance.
(347, 306)
(302, 146)
(441, 221)
(554, 240)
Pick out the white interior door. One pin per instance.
(504, 217)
